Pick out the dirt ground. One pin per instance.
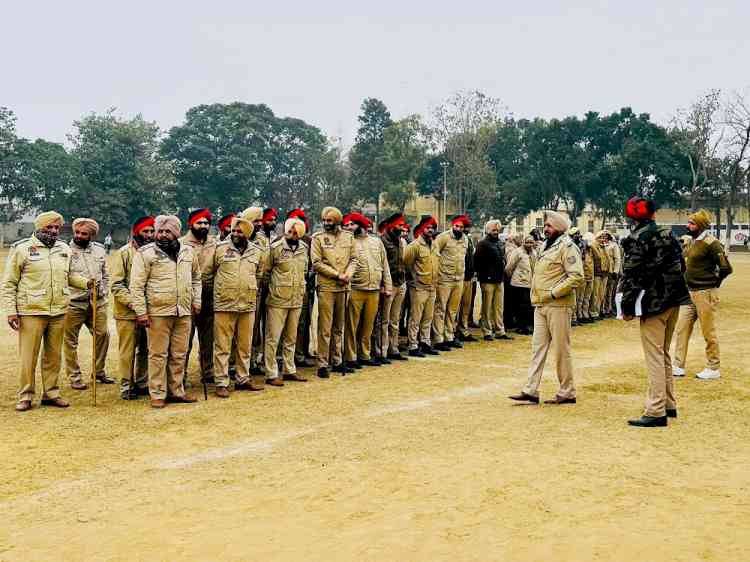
(425, 460)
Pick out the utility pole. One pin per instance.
(444, 166)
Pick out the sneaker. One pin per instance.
(709, 374)
(678, 371)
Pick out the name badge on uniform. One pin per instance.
(327, 242)
(230, 255)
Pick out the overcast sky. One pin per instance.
(317, 60)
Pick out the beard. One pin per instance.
(141, 241)
(358, 231)
(46, 238)
(239, 241)
(458, 234)
(199, 233)
(169, 247)
(81, 243)
(292, 243)
(329, 227)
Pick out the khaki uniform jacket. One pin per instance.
(37, 279)
(372, 270)
(615, 257)
(333, 254)
(601, 260)
(122, 263)
(204, 253)
(557, 273)
(262, 242)
(520, 267)
(452, 258)
(588, 265)
(235, 276)
(423, 262)
(159, 286)
(90, 263)
(287, 268)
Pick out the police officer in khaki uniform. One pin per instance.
(287, 267)
(615, 265)
(302, 355)
(203, 245)
(88, 259)
(601, 271)
(36, 288)
(371, 278)
(588, 276)
(255, 216)
(235, 267)
(394, 242)
(131, 337)
(452, 246)
(333, 259)
(225, 226)
(423, 261)
(165, 286)
(557, 273)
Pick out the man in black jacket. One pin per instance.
(390, 311)
(489, 261)
(653, 288)
(466, 310)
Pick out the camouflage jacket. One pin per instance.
(653, 263)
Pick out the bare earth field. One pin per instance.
(426, 460)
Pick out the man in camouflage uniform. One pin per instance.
(235, 266)
(452, 246)
(390, 313)
(132, 338)
(333, 259)
(203, 245)
(88, 259)
(557, 273)
(165, 285)
(466, 308)
(652, 277)
(287, 271)
(422, 260)
(36, 287)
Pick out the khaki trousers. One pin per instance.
(132, 347)
(360, 321)
(588, 289)
(447, 301)
(656, 335)
(551, 328)
(577, 309)
(421, 308)
(492, 309)
(167, 348)
(331, 318)
(281, 324)
(391, 316)
(703, 308)
(611, 290)
(597, 296)
(75, 318)
(203, 324)
(35, 333)
(465, 308)
(232, 327)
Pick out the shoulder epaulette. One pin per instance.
(276, 243)
(146, 247)
(318, 233)
(97, 244)
(223, 242)
(21, 241)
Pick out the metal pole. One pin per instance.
(444, 165)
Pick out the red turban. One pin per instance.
(141, 223)
(462, 219)
(199, 214)
(424, 223)
(269, 215)
(359, 219)
(639, 209)
(226, 221)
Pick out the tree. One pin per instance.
(366, 159)
(403, 157)
(333, 186)
(737, 159)
(697, 134)
(118, 158)
(13, 190)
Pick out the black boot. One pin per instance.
(323, 373)
(649, 421)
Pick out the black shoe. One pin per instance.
(671, 413)
(443, 346)
(232, 372)
(524, 332)
(367, 363)
(377, 361)
(523, 397)
(104, 379)
(343, 369)
(416, 353)
(351, 365)
(142, 391)
(323, 373)
(384, 361)
(130, 394)
(396, 357)
(488, 338)
(648, 421)
(503, 337)
(305, 362)
(470, 338)
(428, 350)
(575, 324)
(456, 344)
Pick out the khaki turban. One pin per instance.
(558, 221)
(701, 219)
(332, 213)
(573, 231)
(87, 224)
(492, 224)
(294, 224)
(529, 238)
(252, 214)
(47, 218)
(170, 223)
(244, 225)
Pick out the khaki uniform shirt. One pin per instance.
(588, 265)
(159, 286)
(520, 267)
(452, 258)
(90, 263)
(287, 269)
(615, 257)
(122, 263)
(262, 242)
(235, 276)
(204, 253)
(557, 273)
(37, 279)
(423, 261)
(332, 254)
(372, 270)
